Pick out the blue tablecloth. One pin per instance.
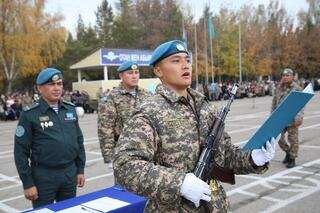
(137, 203)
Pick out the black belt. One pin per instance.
(57, 167)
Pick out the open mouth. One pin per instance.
(186, 74)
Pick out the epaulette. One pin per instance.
(27, 108)
(68, 103)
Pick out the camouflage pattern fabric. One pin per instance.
(112, 115)
(293, 138)
(26, 101)
(291, 145)
(161, 143)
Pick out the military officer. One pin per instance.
(159, 147)
(286, 85)
(48, 145)
(118, 107)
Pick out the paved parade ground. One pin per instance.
(278, 190)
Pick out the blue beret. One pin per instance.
(166, 49)
(128, 65)
(47, 75)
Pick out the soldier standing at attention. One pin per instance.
(159, 147)
(118, 107)
(285, 86)
(48, 145)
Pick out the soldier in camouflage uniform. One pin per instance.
(160, 146)
(26, 101)
(286, 85)
(118, 107)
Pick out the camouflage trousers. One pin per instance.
(291, 145)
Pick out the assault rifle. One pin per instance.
(207, 167)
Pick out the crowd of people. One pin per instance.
(247, 89)
(12, 105)
(219, 91)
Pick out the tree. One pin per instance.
(29, 39)
(85, 43)
(307, 35)
(81, 28)
(104, 24)
(126, 31)
(227, 49)
(149, 19)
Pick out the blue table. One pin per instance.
(137, 203)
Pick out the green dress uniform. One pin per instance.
(49, 151)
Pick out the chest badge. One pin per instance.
(70, 116)
(46, 124)
(43, 118)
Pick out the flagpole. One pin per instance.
(196, 54)
(205, 49)
(212, 74)
(240, 59)
(184, 34)
(218, 61)
(211, 37)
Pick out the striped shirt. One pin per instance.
(55, 108)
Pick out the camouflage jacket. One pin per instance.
(112, 115)
(281, 92)
(161, 143)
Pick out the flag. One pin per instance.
(211, 31)
(184, 34)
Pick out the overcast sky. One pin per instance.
(72, 8)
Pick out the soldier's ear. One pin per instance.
(120, 75)
(157, 71)
(39, 88)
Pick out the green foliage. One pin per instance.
(104, 24)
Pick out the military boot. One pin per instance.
(286, 158)
(291, 163)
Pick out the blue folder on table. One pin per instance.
(280, 118)
(99, 201)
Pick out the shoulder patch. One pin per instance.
(68, 103)
(27, 108)
(20, 131)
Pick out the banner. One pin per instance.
(115, 57)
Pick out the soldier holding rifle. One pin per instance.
(159, 149)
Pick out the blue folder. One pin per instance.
(280, 118)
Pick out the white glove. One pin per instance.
(195, 189)
(80, 111)
(262, 156)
